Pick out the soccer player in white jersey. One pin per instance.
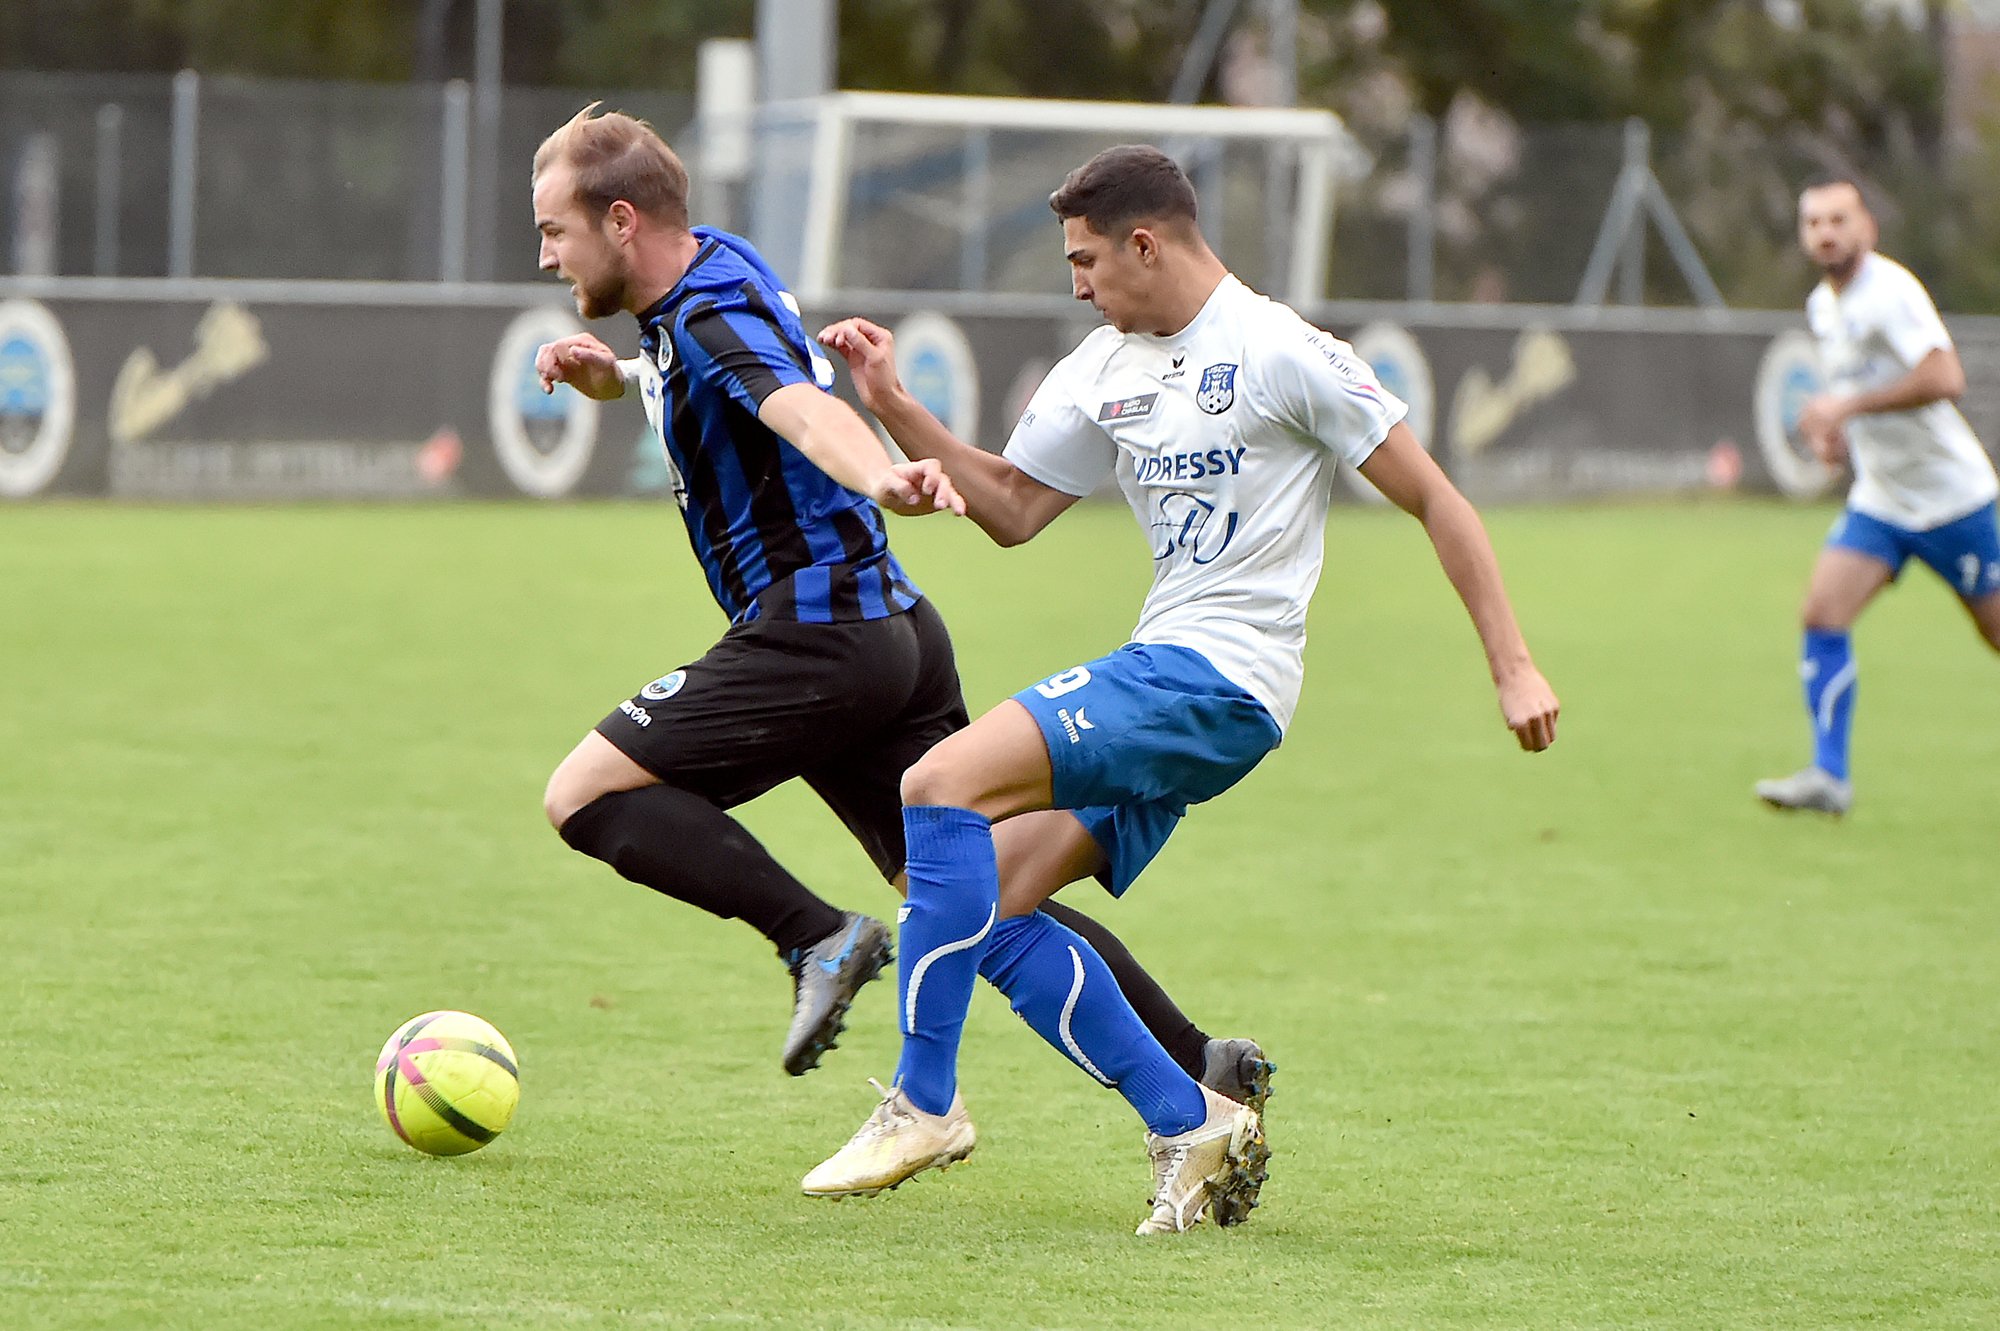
(1923, 486)
(1223, 416)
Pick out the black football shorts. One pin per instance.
(849, 707)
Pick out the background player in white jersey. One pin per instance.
(1223, 416)
(1923, 486)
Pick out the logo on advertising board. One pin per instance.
(935, 363)
(37, 398)
(1787, 377)
(543, 440)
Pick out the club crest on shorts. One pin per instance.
(1217, 391)
(665, 687)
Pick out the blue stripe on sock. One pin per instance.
(1064, 991)
(1827, 665)
(954, 896)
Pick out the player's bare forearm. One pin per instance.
(1410, 478)
(1527, 703)
(1466, 553)
(837, 441)
(1938, 377)
(1008, 505)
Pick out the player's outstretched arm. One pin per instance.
(1401, 470)
(1938, 377)
(584, 363)
(840, 444)
(1008, 504)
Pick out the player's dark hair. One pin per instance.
(1828, 179)
(1125, 186)
(615, 156)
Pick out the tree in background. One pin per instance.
(1745, 97)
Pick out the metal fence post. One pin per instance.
(104, 252)
(486, 179)
(181, 174)
(1638, 167)
(454, 168)
(1420, 280)
(977, 165)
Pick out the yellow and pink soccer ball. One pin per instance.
(447, 1083)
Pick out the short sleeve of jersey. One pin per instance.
(1910, 322)
(740, 350)
(1058, 444)
(1317, 385)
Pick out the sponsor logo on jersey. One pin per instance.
(665, 687)
(1069, 724)
(1216, 392)
(1189, 466)
(1189, 523)
(37, 398)
(640, 716)
(1125, 408)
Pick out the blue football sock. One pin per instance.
(954, 895)
(1062, 988)
(1828, 670)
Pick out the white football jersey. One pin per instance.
(1224, 438)
(1914, 469)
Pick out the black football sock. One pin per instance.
(1181, 1038)
(681, 846)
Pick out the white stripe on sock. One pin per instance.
(1069, 1006)
(1842, 681)
(917, 975)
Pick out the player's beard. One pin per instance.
(1840, 265)
(602, 298)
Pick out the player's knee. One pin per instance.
(1817, 617)
(563, 796)
(935, 779)
(920, 783)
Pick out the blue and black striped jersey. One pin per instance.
(776, 536)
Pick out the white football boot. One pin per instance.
(1219, 1164)
(1813, 788)
(897, 1142)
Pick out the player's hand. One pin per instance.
(1529, 706)
(914, 489)
(1823, 425)
(584, 363)
(870, 352)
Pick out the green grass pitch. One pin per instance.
(1582, 1040)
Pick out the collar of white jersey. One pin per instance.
(1224, 291)
(1863, 273)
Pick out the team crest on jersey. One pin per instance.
(663, 356)
(1217, 391)
(665, 687)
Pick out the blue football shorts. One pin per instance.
(1965, 551)
(1135, 737)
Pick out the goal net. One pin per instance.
(895, 192)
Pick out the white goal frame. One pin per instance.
(1325, 150)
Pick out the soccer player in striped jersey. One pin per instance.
(1923, 485)
(834, 668)
(1222, 415)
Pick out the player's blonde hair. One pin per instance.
(615, 156)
